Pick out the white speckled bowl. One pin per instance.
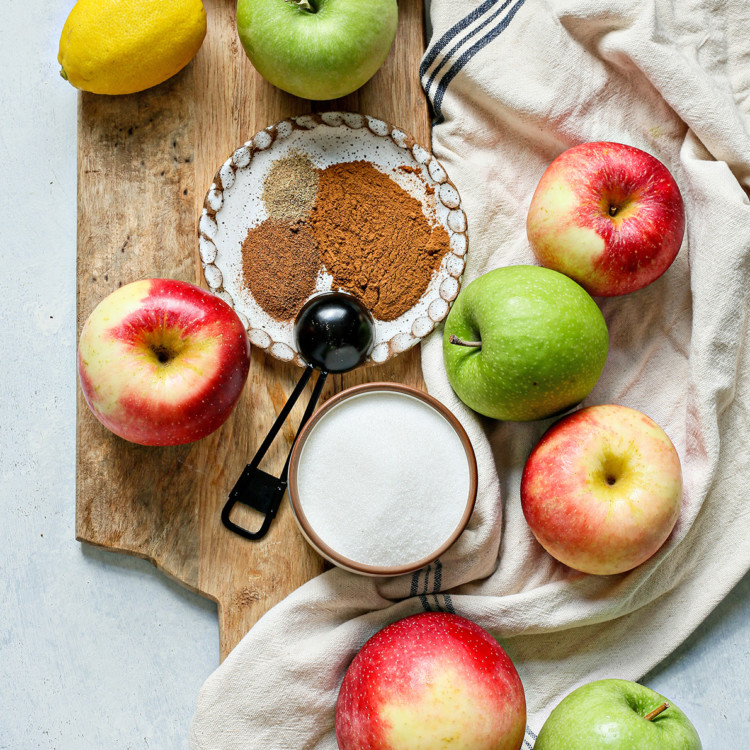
(233, 206)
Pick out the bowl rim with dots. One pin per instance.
(221, 275)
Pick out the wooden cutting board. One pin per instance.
(145, 163)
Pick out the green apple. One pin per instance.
(317, 49)
(617, 715)
(523, 343)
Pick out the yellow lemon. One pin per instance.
(123, 46)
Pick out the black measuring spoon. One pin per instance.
(334, 332)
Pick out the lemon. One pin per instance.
(123, 46)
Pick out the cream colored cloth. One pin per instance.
(513, 84)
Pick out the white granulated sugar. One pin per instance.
(383, 479)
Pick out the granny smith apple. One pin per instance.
(317, 49)
(524, 343)
(617, 715)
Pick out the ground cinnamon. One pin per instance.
(374, 238)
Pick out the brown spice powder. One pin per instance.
(280, 264)
(374, 238)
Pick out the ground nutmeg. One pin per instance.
(280, 265)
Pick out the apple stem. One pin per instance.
(304, 5)
(455, 340)
(651, 715)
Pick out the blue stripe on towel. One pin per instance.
(449, 603)
(438, 582)
(462, 43)
(457, 28)
(423, 596)
(461, 62)
(414, 583)
(437, 585)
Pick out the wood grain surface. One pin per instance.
(144, 164)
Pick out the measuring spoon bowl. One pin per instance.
(334, 332)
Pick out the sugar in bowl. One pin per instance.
(382, 479)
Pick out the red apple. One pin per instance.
(602, 489)
(162, 362)
(429, 682)
(609, 216)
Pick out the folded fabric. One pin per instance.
(512, 85)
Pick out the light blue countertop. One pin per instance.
(98, 650)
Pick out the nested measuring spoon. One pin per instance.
(334, 333)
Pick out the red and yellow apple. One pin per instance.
(609, 216)
(429, 682)
(162, 362)
(602, 489)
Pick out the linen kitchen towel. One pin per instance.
(513, 83)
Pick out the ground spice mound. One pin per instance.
(280, 264)
(374, 238)
(290, 187)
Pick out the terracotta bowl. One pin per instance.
(310, 532)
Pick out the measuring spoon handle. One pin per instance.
(256, 488)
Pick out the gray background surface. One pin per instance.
(100, 650)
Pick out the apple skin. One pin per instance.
(162, 362)
(602, 489)
(609, 715)
(430, 682)
(544, 344)
(571, 229)
(322, 55)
